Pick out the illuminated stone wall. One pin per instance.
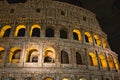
(51, 40)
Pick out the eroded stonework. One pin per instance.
(52, 40)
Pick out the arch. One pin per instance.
(103, 60)
(32, 55)
(35, 30)
(5, 31)
(64, 57)
(1, 54)
(63, 34)
(110, 62)
(77, 35)
(88, 37)
(78, 58)
(104, 43)
(20, 31)
(116, 64)
(97, 40)
(49, 55)
(93, 59)
(49, 32)
(14, 55)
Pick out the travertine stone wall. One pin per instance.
(56, 15)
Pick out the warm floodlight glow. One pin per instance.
(89, 37)
(34, 26)
(65, 79)
(116, 63)
(78, 34)
(103, 60)
(97, 40)
(49, 53)
(104, 42)
(82, 79)
(31, 53)
(1, 54)
(1, 48)
(12, 53)
(110, 62)
(94, 59)
(18, 28)
(2, 31)
(48, 78)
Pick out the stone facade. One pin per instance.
(52, 40)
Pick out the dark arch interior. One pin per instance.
(36, 32)
(35, 59)
(75, 36)
(78, 58)
(7, 33)
(48, 59)
(64, 57)
(49, 32)
(86, 38)
(16, 54)
(21, 32)
(63, 34)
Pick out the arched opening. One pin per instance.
(63, 34)
(78, 58)
(48, 78)
(32, 55)
(64, 57)
(14, 55)
(35, 31)
(97, 40)
(49, 32)
(90, 60)
(88, 37)
(35, 59)
(20, 31)
(1, 54)
(116, 64)
(77, 35)
(5, 31)
(104, 43)
(103, 60)
(110, 62)
(93, 59)
(49, 56)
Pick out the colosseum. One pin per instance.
(53, 40)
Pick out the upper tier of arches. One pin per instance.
(38, 31)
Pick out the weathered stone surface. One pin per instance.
(24, 57)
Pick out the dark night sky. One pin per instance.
(108, 15)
